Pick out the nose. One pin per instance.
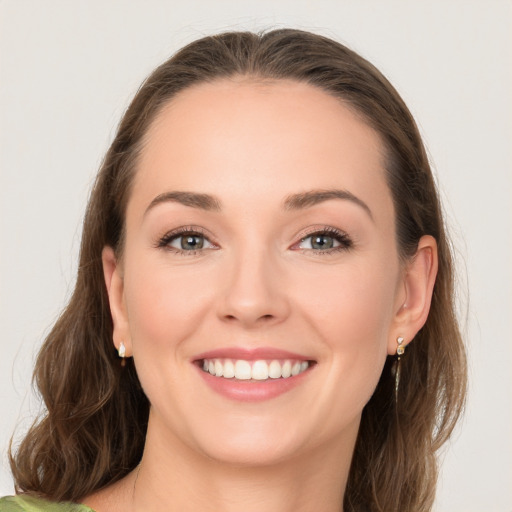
(254, 291)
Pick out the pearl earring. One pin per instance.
(122, 353)
(400, 349)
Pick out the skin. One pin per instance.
(258, 282)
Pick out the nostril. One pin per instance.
(263, 319)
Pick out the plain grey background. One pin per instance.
(67, 71)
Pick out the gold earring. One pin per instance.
(399, 352)
(122, 353)
(400, 349)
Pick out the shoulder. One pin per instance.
(25, 503)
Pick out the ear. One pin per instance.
(418, 285)
(114, 282)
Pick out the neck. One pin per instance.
(173, 476)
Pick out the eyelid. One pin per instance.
(163, 241)
(346, 242)
(321, 228)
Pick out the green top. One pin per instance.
(25, 503)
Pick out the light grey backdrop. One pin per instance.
(67, 71)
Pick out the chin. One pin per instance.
(252, 452)
(256, 441)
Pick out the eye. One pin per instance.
(188, 242)
(185, 241)
(327, 240)
(319, 242)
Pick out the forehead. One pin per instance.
(255, 139)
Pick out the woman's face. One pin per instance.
(260, 241)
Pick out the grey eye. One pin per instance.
(189, 242)
(319, 242)
(322, 242)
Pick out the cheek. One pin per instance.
(164, 306)
(353, 317)
(356, 301)
(166, 309)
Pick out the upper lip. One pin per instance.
(251, 354)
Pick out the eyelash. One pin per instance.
(342, 238)
(163, 242)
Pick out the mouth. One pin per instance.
(252, 375)
(255, 370)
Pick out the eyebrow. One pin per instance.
(298, 201)
(192, 199)
(314, 197)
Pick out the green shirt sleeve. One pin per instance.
(25, 503)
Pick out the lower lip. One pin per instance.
(252, 390)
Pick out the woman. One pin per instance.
(263, 311)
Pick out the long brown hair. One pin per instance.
(94, 429)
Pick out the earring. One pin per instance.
(400, 349)
(399, 352)
(122, 353)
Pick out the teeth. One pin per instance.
(219, 369)
(259, 370)
(274, 370)
(255, 370)
(242, 370)
(286, 371)
(229, 369)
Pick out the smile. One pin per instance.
(260, 370)
(253, 375)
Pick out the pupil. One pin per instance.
(192, 242)
(322, 242)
